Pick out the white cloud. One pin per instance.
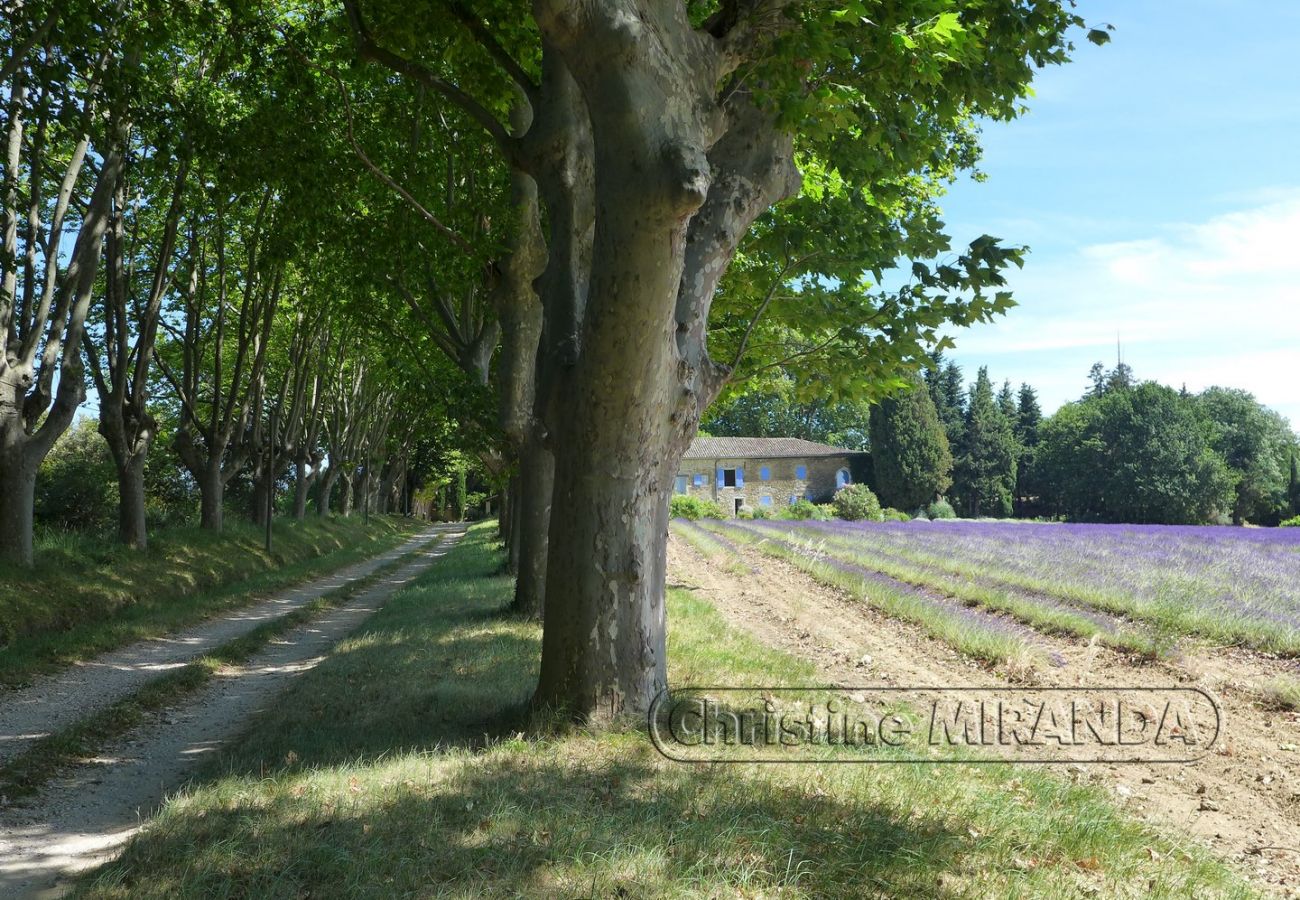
(1213, 302)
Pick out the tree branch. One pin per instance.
(368, 48)
(480, 31)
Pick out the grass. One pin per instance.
(987, 642)
(1282, 692)
(1169, 590)
(87, 597)
(710, 546)
(974, 589)
(394, 769)
(24, 775)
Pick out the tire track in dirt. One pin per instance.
(81, 818)
(1239, 800)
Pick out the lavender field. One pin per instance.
(1140, 588)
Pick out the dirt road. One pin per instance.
(79, 819)
(1243, 800)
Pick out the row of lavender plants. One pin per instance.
(977, 633)
(1133, 586)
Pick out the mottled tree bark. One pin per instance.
(679, 177)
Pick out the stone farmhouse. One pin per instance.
(746, 473)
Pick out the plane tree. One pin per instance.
(65, 71)
(660, 134)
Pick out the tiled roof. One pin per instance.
(759, 448)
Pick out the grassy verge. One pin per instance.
(374, 778)
(24, 775)
(71, 607)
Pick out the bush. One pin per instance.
(1293, 522)
(855, 502)
(684, 506)
(895, 515)
(941, 509)
(804, 509)
(76, 488)
(760, 512)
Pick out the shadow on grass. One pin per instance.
(371, 777)
(542, 823)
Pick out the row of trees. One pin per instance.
(199, 298)
(1124, 452)
(554, 230)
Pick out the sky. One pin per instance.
(1156, 181)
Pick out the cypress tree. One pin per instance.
(1028, 418)
(986, 466)
(948, 395)
(1029, 415)
(909, 449)
(1293, 490)
(1007, 402)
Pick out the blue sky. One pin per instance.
(1156, 181)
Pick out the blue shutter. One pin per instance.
(699, 481)
(801, 472)
(720, 481)
(766, 500)
(765, 473)
(740, 478)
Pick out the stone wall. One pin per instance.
(782, 484)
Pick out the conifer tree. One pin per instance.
(1028, 418)
(1007, 402)
(986, 465)
(947, 392)
(909, 449)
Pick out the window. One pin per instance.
(682, 481)
(699, 481)
(765, 474)
(728, 477)
(801, 472)
(842, 477)
(765, 500)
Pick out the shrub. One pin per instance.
(856, 502)
(804, 509)
(760, 512)
(895, 515)
(941, 509)
(1293, 522)
(684, 506)
(76, 488)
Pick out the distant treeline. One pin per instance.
(1126, 451)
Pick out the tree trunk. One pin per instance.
(508, 523)
(345, 497)
(17, 499)
(537, 478)
(300, 486)
(212, 493)
(257, 514)
(326, 489)
(131, 525)
(616, 450)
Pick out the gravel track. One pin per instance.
(81, 818)
(53, 703)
